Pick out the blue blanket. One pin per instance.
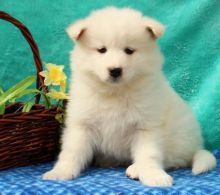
(27, 181)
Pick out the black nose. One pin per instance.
(115, 72)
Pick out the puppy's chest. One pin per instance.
(119, 115)
(114, 124)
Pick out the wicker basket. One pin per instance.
(33, 137)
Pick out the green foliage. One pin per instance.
(19, 91)
(27, 106)
(1, 90)
(2, 109)
(16, 90)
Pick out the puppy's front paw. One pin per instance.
(132, 172)
(56, 174)
(156, 178)
(150, 177)
(60, 173)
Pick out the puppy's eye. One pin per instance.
(129, 50)
(102, 50)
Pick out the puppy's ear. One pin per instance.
(76, 30)
(154, 27)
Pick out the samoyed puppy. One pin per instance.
(121, 106)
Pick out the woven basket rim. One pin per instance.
(36, 108)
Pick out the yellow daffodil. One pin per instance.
(54, 74)
(59, 95)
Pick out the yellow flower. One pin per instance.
(59, 95)
(54, 74)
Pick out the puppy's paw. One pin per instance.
(59, 173)
(156, 178)
(132, 172)
(150, 177)
(55, 174)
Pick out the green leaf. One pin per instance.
(47, 101)
(23, 93)
(1, 90)
(59, 117)
(27, 106)
(17, 89)
(30, 91)
(2, 109)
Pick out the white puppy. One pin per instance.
(121, 105)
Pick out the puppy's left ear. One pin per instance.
(77, 30)
(154, 27)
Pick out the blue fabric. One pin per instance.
(27, 181)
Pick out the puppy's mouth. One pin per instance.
(114, 80)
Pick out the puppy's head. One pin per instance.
(116, 46)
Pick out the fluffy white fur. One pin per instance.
(137, 119)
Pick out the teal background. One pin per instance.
(191, 46)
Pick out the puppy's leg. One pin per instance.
(76, 153)
(147, 158)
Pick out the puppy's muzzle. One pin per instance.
(115, 73)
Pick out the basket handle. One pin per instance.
(27, 35)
